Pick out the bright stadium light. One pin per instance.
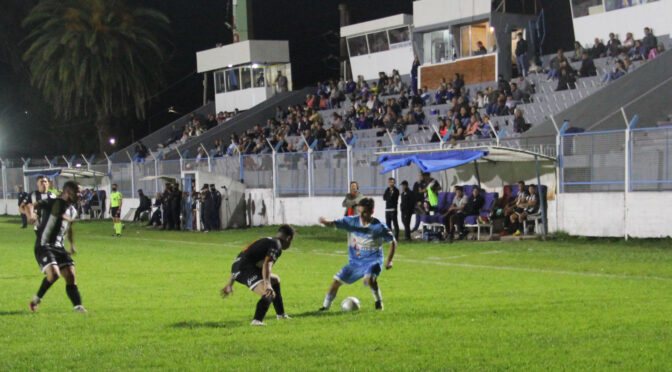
(78, 165)
(113, 141)
(492, 28)
(255, 65)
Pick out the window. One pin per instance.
(378, 42)
(399, 35)
(246, 77)
(219, 81)
(582, 8)
(438, 46)
(470, 36)
(258, 78)
(357, 46)
(232, 80)
(620, 4)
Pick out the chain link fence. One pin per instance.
(651, 159)
(593, 162)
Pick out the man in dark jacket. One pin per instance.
(648, 42)
(587, 66)
(24, 199)
(521, 55)
(407, 208)
(145, 205)
(217, 203)
(391, 198)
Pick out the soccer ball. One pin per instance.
(350, 304)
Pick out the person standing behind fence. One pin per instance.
(165, 205)
(217, 204)
(352, 199)
(391, 198)
(206, 208)
(521, 55)
(176, 205)
(407, 208)
(115, 209)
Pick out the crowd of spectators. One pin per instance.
(174, 209)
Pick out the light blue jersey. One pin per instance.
(365, 248)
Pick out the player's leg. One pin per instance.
(52, 273)
(263, 304)
(278, 305)
(395, 222)
(371, 280)
(71, 288)
(331, 294)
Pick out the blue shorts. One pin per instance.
(352, 272)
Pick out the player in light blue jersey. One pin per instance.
(365, 251)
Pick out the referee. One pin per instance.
(115, 209)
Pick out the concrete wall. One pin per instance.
(248, 51)
(431, 12)
(241, 99)
(655, 15)
(397, 20)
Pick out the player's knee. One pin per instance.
(275, 280)
(53, 276)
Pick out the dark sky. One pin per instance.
(311, 26)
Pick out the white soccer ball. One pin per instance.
(350, 304)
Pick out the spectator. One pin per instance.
(521, 54)
(511, 207)
(648, 42)
(530, 206)
(599, 50)
(145, 205)
(141, 152)
(391, 197)
(280, 83)
(554, 65)
(587, 66)
(524, 86)
(459, 203)
(628, 43)
(473, 130)
(518, 95)
(480, 49)
(578, 51)
(519, 124)
(618, 71)
(472, 208)
(414, 75)
(407, 207)
(567, 78)
(352, 199)
(613, 45)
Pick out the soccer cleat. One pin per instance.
(283, 316)
(34, 303)
(517, 233)
(80, 309)
(379, 305)
(257, 323)
(323, 308)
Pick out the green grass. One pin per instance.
(566, 304)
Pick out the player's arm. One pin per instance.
(70, 235)
(326, 222)
(228, 288)
(390, 256)
(266, 276)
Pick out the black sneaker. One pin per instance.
(379, 305)
(323, 308)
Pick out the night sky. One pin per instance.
(310, 26)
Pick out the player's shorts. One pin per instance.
(46, 255)
(246, 274)
(116, 212)
(352, 272)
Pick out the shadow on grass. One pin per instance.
(13, 312)
(195, 324)
(317, 313)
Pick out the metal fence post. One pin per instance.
(274, 164)
(130, 158)
(348, 161)
(3, 168)
(156, 171)
(109, 164)
(209, 160)
(560, 151)
(25, 168)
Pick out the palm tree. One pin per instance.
(97, 59)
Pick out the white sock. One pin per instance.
(328, 299)
(377, 295)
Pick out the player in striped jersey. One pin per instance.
(54, 261)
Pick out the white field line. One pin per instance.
(491, 252)
(466, 265)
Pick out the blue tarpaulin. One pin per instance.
(430, 162)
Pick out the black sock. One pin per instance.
(262, 307)
(73, 293)
(44, 287)
(277, 301)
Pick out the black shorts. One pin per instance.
(248, 275)
(46, 255)
(116, 212)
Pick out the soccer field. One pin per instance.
(153, 303)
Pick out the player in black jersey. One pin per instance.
(57, 217)
(41, 193)
(253, 266)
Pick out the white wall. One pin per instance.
(654, 15)
(369, 65)
(397, 20)
(248, 51)
(241, 99)
(431, 12)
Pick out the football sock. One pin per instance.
(262, 307)
(73, 294)
(328, 299)
(117, 227)
(44, 287)
(277, 301)
(376, 294)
